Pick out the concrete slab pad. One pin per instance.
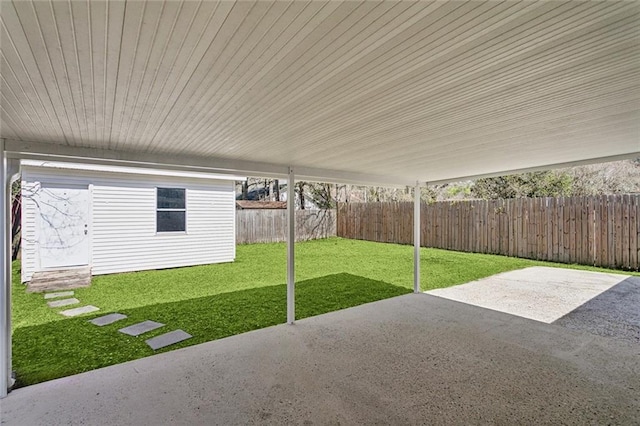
(539, 293)
(167, 339)
(63, 302)
(413, 359)
(140, 328)
(107, 319)
(58, 294)
(79, 311)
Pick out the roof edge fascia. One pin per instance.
(30, 150)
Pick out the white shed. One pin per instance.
(119, 219)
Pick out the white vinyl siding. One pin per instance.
(29, 246)
(123, 227)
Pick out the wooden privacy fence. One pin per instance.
(599, 230)
(270, 226)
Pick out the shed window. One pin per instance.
(171, 214)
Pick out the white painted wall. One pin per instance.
(123, 220)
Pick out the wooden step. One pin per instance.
(60, 279)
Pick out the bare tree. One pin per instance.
(276, 189)
(321, 195)
(16, 219)
(300, 188)
(245, 189)
(616, 177)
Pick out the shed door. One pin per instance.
(63, 214)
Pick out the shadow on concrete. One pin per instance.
(613, 313)
(72, 346)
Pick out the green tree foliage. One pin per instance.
(618, 177)
(535, 184)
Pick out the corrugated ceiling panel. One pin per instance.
(416, 90)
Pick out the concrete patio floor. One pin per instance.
(540, 293)
(414, 359)
(600, 303)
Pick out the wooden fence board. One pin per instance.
(540, 229)
(584, 239)
(478, 227)
(618, 231)
(267, 226)
(572, 230)
(552, 231)
(633, 236)
(601, 225)
(597, 230)
(637, 239)
(611, 230)
(625, 204)
(603, 232)
(520, 248)
(592, 209)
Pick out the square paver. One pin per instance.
(79, 311)
(58, 294)
(63, 302)
(140, 328)
(107, 319)
(167, 339)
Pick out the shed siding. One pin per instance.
(29, 255)
(123, 225)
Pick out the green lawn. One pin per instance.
(215, 301)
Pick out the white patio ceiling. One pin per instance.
(379, 92)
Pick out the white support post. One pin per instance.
(416, 238)
(291, 241)
(5, 288)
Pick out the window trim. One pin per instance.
(173, 209)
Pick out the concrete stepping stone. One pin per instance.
(79, 311)
(167, 339)
(58, 294)
(63, 302)
(107, 319)
(140, 328)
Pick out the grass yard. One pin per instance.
(215, 301)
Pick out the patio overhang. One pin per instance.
(378, 93)
(364, 92)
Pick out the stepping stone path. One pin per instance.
(167, 339)
(79, 311)
(66, 302)
(59, 294)
(140, 328)
(107, 319)
(63, 302)
(157, 342)
(154, 343)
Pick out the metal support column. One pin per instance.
(5, 288)
(416, 238)
(291, 241)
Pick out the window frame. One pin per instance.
(171, 209)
